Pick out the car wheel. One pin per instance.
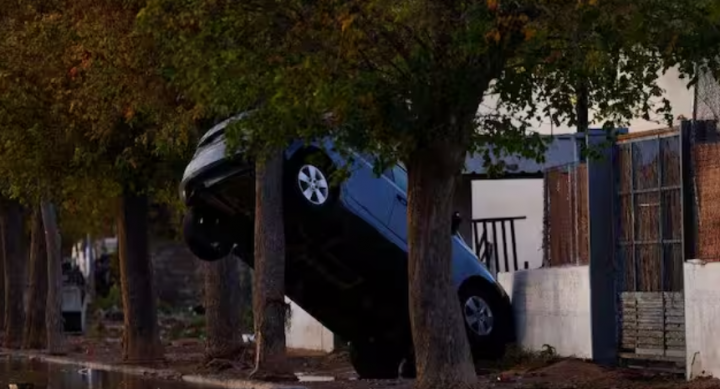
(309, 177)
(486, 320)
(207, 234)
(375, 361)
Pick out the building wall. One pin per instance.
(306, 333)
(177, 275)
(676, 91)
(552, 307)
(508, 198)
(702, 315)
(501, 198)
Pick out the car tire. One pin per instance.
(207, 234)
(375, 361)
(308, 180)
(486, 320)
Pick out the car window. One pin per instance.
(400, 177)
(389, 174)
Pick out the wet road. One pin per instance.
(42, 375)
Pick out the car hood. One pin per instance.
(219, 128)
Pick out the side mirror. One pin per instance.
(456, 221)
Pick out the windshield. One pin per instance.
(463, 241)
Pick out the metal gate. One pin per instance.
(488, 243)
(650, 249)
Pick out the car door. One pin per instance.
(398, 216)
(374, 194)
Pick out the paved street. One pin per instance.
(50, 376)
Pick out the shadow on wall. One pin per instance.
(551, 306)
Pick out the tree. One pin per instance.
(13, 228)
(134, 134)
(405, 80)
(89, 127)
(33, 155)
(34, 336)
(269, 307)
(53, 314)
(222, 309)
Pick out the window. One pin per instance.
(400, 177)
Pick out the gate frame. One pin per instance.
(686, 240)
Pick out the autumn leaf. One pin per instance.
(493, 35)
(529, 33)
(346, 22)
(492, 5)
(129, 113)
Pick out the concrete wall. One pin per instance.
(307, 333)
(702, 315)
(552, 306)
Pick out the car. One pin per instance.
(346, 247)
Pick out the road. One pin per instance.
(41, 375)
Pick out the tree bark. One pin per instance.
(2, 275)
(245, 303)
(34, 336)
(222, 310)
(141, 337)
(53, 313)
(442, 352)
(90, 282)
(269, 276)
(582, 109)
(15, 263)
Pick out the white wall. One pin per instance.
(552, 306)
(306, 333)
(702, 315)
(508, 198)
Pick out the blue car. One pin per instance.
(346, 248)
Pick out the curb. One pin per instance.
(164, 374)
(232, 383)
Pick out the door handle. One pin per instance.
(401, 199)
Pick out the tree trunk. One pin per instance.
(90, 282)
(141, 337)
(2, 275)
(34, 336)
(442, 352)
(15, 262)
(269, 276)
(245, 303)
(53, 313)
(222, 311)
(582, 109)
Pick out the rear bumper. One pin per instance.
(210, 166)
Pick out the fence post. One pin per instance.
(546, 221)
(687, 174)
(602, 246)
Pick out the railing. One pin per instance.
(487, 240)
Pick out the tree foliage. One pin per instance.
(386, 70)
(87, 118)
(84, 110)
